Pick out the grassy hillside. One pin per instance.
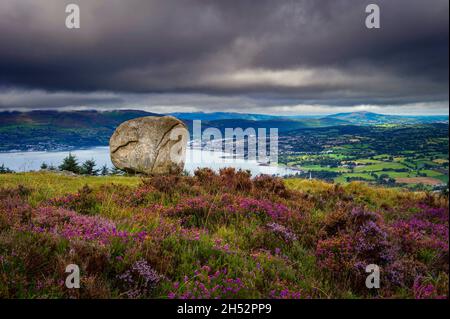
(71, 119)
(52, 130)
(217, 236)
(367, 118)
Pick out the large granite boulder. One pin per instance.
(150, 145)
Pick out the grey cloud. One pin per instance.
(165, 103)
(271, 53)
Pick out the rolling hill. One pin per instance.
(54, 130)
(222, 116)
(369, 118)
(71, 119)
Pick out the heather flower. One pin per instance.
(423, 289)
(360, 216)
(84, 201)
(427, 229)
(335, 254)
(207, 284)
(192, 210)
(70, 225)
(282, 231)
(140, 280)
(285, 294)
(220, 245)
(192, 233)
(364, 241)
(372, 243)
(271, 185)
(438, 215)
(264, 207)
(232, 225)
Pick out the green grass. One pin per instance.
(393, 174)
(336, 156)
(443, 178)
(48, 185)
(379, 167)
(343, 178)
(322, 168)
(431, 173)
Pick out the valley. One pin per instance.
(414, 156)
(388, 150)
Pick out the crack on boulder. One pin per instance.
(123, 145)
(158, 147)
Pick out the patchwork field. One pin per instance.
(419, 180)
(411, 156)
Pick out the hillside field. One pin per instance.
(408, 156)
(218, 235)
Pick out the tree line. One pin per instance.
(71, 164)
(88, 167)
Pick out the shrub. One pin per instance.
(83, 202)
(266, 184)
(207, 284)
(140, 280)
(163, 183)
(232, 180)
(358, 238)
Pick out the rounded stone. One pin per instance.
(150, 145)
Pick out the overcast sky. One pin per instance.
(277, 57)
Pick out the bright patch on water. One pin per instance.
(31, 161)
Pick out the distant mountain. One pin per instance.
(281, 123)
(358, 118)
(430, 118)
(369, 118)
(71, 119)
(222, 116)
(54, 130)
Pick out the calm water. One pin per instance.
(29, 161)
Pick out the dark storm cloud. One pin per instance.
(272, 52)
